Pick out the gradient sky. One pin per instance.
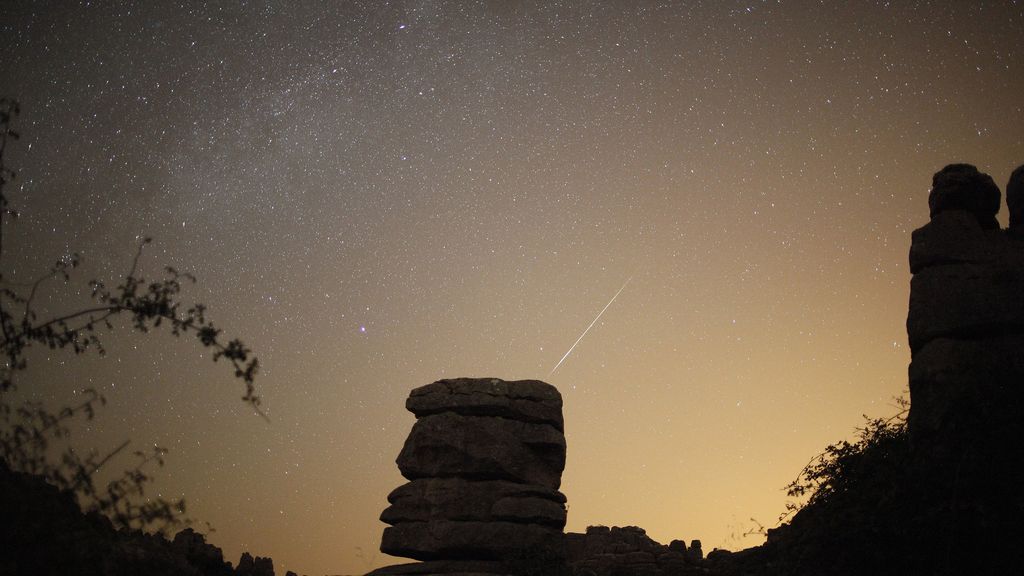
(376, 195)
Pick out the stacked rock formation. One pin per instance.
(966, 331)
(484, 462)
(966, 317)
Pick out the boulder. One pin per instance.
(694, 552)
(963, 187)
(522, 400)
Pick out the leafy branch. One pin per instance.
(844, 467)
(26, 432)
(147, 306)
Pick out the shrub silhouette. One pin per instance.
(874, 460)
(882, 504)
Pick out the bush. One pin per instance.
(873, 461)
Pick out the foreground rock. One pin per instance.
(484, 460)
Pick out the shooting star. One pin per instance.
(571, 348)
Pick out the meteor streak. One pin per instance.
(571, 348)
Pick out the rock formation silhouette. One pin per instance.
(206, 557)
(966, 317)
(258, 566)
(484, 462)
(966, 332)
(604, 551)
(944, 497)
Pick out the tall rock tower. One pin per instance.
(966, 331)
(484, 463)
(966, 318)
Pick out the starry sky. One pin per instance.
(375, 195)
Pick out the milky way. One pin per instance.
(375, 195)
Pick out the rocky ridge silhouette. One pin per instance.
(44, 532)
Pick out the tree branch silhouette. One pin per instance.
(28, 430)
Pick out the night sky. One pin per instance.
(376, 195)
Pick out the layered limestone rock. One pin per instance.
(966, 317)
(484, 462)
(604, 551)
(966, 331)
